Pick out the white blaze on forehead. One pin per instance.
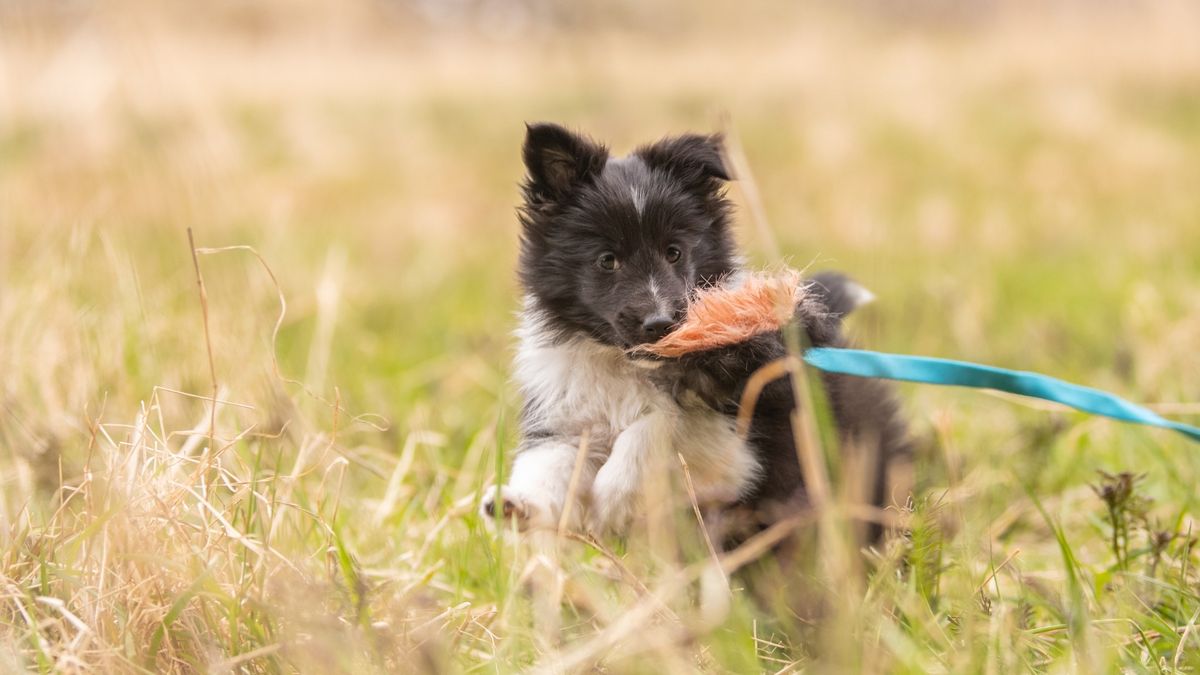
(639, 199)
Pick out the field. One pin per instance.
(1017, 183)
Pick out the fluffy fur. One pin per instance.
(612, 251)
(726, 315)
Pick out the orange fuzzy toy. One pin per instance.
(720, 316)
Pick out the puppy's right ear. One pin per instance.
(558, 161)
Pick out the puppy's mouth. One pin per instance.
(638, 348)
(633, 347)
(640, 356)
(639, 353)
(643, 359)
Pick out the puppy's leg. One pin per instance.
(618, 482)
(537, 488)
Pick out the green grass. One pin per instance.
(1015, 192)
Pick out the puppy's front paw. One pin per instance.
(613, 502)
(510, 505)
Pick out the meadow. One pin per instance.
(259, 447)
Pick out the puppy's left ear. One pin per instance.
(694, 159)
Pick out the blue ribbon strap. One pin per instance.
(929, 370)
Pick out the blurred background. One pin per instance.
(1016, 181)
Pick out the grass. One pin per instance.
(1017, 189)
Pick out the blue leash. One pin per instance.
(929, 370)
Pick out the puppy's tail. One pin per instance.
(839, 293)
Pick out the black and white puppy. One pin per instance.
(611, 250)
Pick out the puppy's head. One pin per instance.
(612, 247)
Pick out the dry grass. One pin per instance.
(228, 486)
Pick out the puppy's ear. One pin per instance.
(558, 161)
(694, 159)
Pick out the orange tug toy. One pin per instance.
(723, 316)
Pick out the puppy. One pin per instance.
(611, 250)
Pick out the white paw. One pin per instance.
(511, 505)
(613, 502)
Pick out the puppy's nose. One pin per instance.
(656, 326)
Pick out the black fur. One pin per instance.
(578, 210)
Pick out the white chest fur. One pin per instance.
(580, 385)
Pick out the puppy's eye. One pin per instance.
(607, 261)
(674, 254)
